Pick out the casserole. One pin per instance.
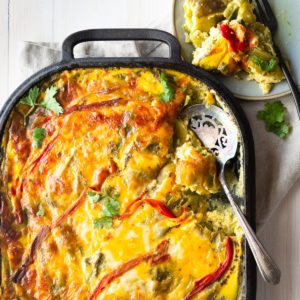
(43, 173)
(227, 39)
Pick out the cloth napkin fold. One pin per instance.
(277, 160)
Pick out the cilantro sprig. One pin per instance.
(49, 102)
(265, 65)
(273, 115)
(38, 136)
(110, 208)
(168, 90)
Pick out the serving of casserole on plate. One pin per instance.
(225, 37)
(106, 193)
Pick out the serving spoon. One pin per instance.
(218, 133)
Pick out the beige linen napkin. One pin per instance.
(277, 160)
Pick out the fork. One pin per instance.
(267, 17)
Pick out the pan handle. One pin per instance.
(120, 35)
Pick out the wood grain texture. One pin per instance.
(4, 45)
(29, 20)
(53, 20)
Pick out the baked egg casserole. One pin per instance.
(106, 193)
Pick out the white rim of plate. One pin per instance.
(243, 97)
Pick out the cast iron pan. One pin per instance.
(174, 62)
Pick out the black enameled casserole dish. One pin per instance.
(90, 199)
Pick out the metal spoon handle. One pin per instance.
(266, 265)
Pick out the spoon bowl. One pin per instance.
(215, 129)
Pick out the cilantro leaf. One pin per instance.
(94, 197)
(111, 207)
(168, 91)
(265, 65)
(41, 211)
(280, 129)
(104, 222)
(38, 136)
(274, 117)
(31, 97)
(50, 102)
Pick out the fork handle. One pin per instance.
(289, 78)
(266, 265)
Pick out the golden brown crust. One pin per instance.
(18, 136)
(113, 141)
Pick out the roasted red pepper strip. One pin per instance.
(159, 255)
(156, 204)
(209, 279)
(229, 34)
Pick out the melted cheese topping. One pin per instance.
(113, 122)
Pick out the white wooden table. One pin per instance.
(53, 20)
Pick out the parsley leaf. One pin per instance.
(94, 197)
(274, 117)
(41, 211)
(168, 91)
(265, 65)
(104, 222)
(31, 97)
(50, 102)
(111, 207)
(38, 136)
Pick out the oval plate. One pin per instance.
(288, 39)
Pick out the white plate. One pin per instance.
(288, 39)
